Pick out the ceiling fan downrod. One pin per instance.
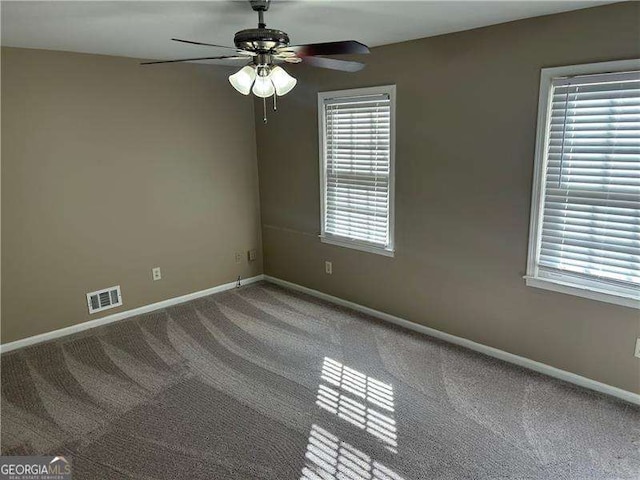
(260, 6)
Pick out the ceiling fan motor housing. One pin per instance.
(260, 40)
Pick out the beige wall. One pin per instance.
(466, 120)
(110, 169)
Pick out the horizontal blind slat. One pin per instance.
(587, 268)
(605, 255)
(632, 227)
(587, 214)
(553, 239)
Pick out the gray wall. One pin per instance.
(110, 169)
(466, 121)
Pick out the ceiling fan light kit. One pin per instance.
(265, 48)
(265, 80)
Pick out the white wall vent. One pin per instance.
(104, 299)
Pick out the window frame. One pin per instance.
(340, 241)
(565, 282)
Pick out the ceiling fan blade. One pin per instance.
(345, 47)
(202, 43)
(225, 57)
(334, 64)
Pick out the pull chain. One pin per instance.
(264, 105)
(275, 106)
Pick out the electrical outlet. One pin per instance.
(252, 255)
(328, 268)
(156, 273)
(637, 353)
(239, 257)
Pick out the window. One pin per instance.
(585, 215)
(357, 168)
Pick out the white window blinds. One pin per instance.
(357, 168)
(590, 225)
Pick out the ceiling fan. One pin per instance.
(265, 48)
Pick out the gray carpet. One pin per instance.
(262, 382)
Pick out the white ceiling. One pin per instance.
(142, 29)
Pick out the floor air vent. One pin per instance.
(104, 299)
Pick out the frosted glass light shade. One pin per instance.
(243, 79)
(282, 81)
(263, 87)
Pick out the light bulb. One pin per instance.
(243, 79)
(263, 86)
(282, 81)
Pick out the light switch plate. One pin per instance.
(328, 268)
(637, 353)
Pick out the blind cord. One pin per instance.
(564, 133)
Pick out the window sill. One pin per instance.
(357, 246)
(581, 291)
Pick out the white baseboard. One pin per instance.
(478, 347)
(63, 332)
